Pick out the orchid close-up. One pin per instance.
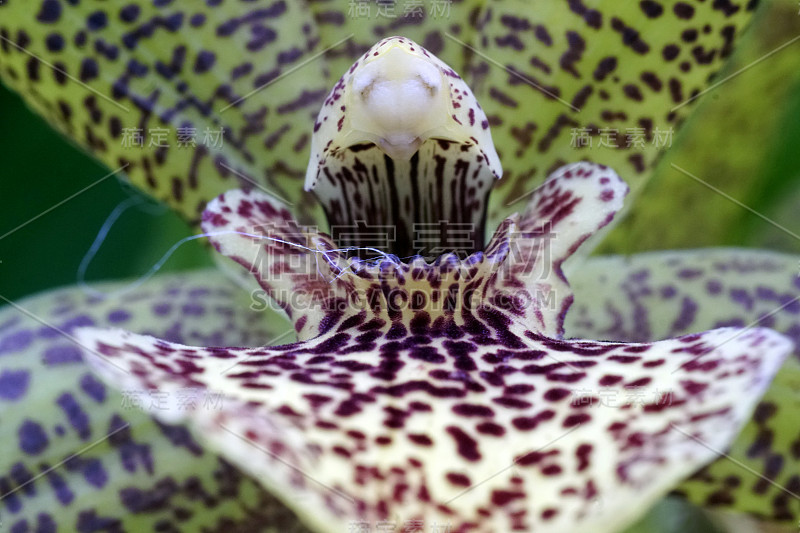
(400, 266)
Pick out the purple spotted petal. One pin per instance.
(128, 473)
(480, 424)
(657, 295)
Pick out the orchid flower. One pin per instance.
(456, 393)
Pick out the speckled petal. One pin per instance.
(319, 284)
(576, 201)
(300, 269)
(623, 65)
(657, 295)
(128, 473)
(608, 81)
(483, 426)
(207, 87)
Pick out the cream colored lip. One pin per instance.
(396, 99)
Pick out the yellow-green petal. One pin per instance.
(657, 295)
(608, 82)
(741, 144)
(187, 100)
(79, 456)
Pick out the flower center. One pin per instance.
(402, 157)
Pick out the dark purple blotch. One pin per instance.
(118, 315)
(14, 384)
(32, 437)
(61, 488)
(62, 354)
(76, 416)
(19, 340)
(93, 387)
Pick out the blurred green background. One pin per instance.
(743, 138)
(38, 169)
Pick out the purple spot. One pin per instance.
(162, 309)
(14, 384)
(690, 273)
(472, 410)
(22, 476)
(64, 495)
(766, 321)
(63, 354)
(75, 414)
(740, 296)
(790, 303)
(8, 324)
(686, 316)
(732, 323)
(180, 436)
(714, 286)
(32, 438)
(16, 341)
(668, 291)
(193, 310)
(77, 322)
(94, 473)
(794, 333)
(197, 19)
(50, 12)
(198, 292)
(765, 293)
(97, 21)
(205, 60)
(45, 523)
(11, 501)
(141, 501)
(131, 453)
(640, 276)
(48, 333)
(93, 387)
(173, 334)
(118, 315)
(129, 13)
(89, 522)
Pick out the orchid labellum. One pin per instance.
(449, 388)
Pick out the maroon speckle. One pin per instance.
(460, 480)
(490, 428)
(467, 446)
(577, 419)
(472, 410)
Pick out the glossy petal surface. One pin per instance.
(472, 413)
(657, 295)
(484, 426)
